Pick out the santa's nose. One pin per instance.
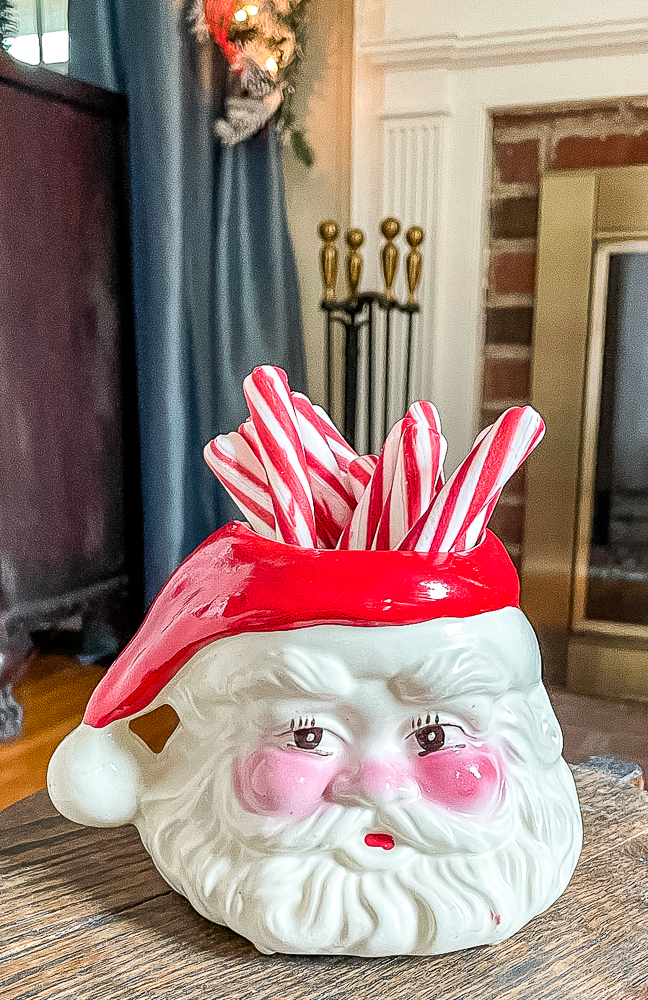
(371, 782)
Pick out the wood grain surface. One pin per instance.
(85, 915)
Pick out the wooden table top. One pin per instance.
(85, 915)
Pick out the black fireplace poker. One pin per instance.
(357, 317)
(360, 315)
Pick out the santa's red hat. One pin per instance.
(238, 581)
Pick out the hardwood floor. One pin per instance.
(57, 689)
(53, 698)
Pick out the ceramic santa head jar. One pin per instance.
(366, 762)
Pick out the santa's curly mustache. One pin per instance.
(313, 886)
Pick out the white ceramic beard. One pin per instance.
(458, 875)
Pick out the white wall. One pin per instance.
(324, 104)
(490, 17)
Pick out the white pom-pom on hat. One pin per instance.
(94, 776)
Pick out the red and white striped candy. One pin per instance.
(360, 472)
(333, 502)
(359, 533)
(473, 533)
(418, 471)
(296, 479)
(248, 432)
(474, 529)
(282, 452)
(340, 447)
(313, 420)
(459, 513)
(236, 466)
(427, 415)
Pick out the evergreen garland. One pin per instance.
(278, 22)
(295, 20)
(6, 20)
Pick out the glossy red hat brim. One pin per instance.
(238, 581)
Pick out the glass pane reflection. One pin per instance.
(41, 33)
(617, 588)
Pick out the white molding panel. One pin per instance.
(534, 45)
(412, 164)
(410, 170)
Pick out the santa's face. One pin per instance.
(375, 790)
(365, 740)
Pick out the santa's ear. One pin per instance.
(95, 775)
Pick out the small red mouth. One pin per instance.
(384, 840)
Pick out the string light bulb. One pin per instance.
(242, 14)
(271, 65)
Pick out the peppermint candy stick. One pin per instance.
(360, 472)
(359, 534)
(461, 510)
(282, 452)
(417, 475)
(248, 432)
(340, 447)
(479, 524)
(236, 466)
(427, 415)
(472, 535)
(332, 501)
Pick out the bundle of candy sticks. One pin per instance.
(298, 481)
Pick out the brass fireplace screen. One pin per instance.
(585, 566)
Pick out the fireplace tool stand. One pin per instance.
(371, 337)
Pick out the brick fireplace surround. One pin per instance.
(525, 146)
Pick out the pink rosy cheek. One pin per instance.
(281, 782)
(462, 779)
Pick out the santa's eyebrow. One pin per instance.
(458, 671)
(320, 676)
(409, 687)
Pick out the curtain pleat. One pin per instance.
(214, 275)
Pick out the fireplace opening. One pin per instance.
(617, 556)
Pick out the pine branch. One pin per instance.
(302, 148)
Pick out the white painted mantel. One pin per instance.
(426, 78)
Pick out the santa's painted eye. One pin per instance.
(430, 739)
(308, 739)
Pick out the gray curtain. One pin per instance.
(214, 277)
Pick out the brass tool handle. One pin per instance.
(354, 261)
(390, 228)
(413, 262)
(329, 232)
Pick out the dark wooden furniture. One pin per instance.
(85, 915)
(69, 495)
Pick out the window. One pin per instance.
(41, 33)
